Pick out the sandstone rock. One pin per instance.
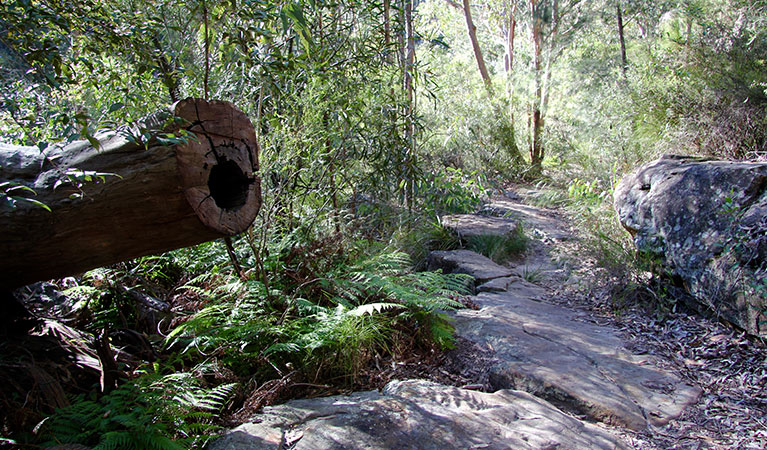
(496, 285)
(515, 285)
(538, 222)
(471, 263)
(551, 352)
(417, 414)
(706, 221)
(471, 225)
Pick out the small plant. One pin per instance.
(532, 275)
(500, 248)
(547, 196)
(10, 195)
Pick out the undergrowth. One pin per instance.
(500, 248)
(317, 312)
(164, 413)
(328, 326)
(633, 277)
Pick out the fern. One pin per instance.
(372, 308)
(212, 400)
(147, 414)
(334, 322)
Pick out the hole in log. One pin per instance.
(228, 185)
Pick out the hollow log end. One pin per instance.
(219, 169)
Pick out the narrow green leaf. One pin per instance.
(116, 107)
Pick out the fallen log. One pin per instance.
(178, 178)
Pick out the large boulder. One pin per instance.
(706, 222)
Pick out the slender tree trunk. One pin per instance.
(509, 60)
(510, 35)
(409, 87)
(513, 149)
(167, 71)
(624, 61)
(536, 146)
(206, 43)
(475, 45)
(551, 56)
(387, 27)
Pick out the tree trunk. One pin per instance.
(624, 61)
(162, 194)
(387, 24)
(409, 159)
(536, 146)
(510, 35)
(475, 45)
(551, 56)
(513, 150)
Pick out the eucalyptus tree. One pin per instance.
(553, 27)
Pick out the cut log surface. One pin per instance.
(161, 197)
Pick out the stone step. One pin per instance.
(537, 222)
(480, 267)
(471, 225)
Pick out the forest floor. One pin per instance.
(728, 367)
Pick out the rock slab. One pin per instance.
(706, 221)
(417, 414)
(480, 267)
(473, 225)
(537, 221)
(551, 352)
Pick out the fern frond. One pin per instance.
(115, 440)
(371, 308)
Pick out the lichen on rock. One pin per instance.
(706, 221)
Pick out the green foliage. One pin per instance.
(605, 239)
(152, 413)
(333, 322)
(500, 248)
(450, 191)
(423, 238)
(10, 195)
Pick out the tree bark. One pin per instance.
(387, 24)
(551, 56)
(163, 194)
(624, 61)
(475, 46)
(510, 35)
(513, 150)
(536, 146)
